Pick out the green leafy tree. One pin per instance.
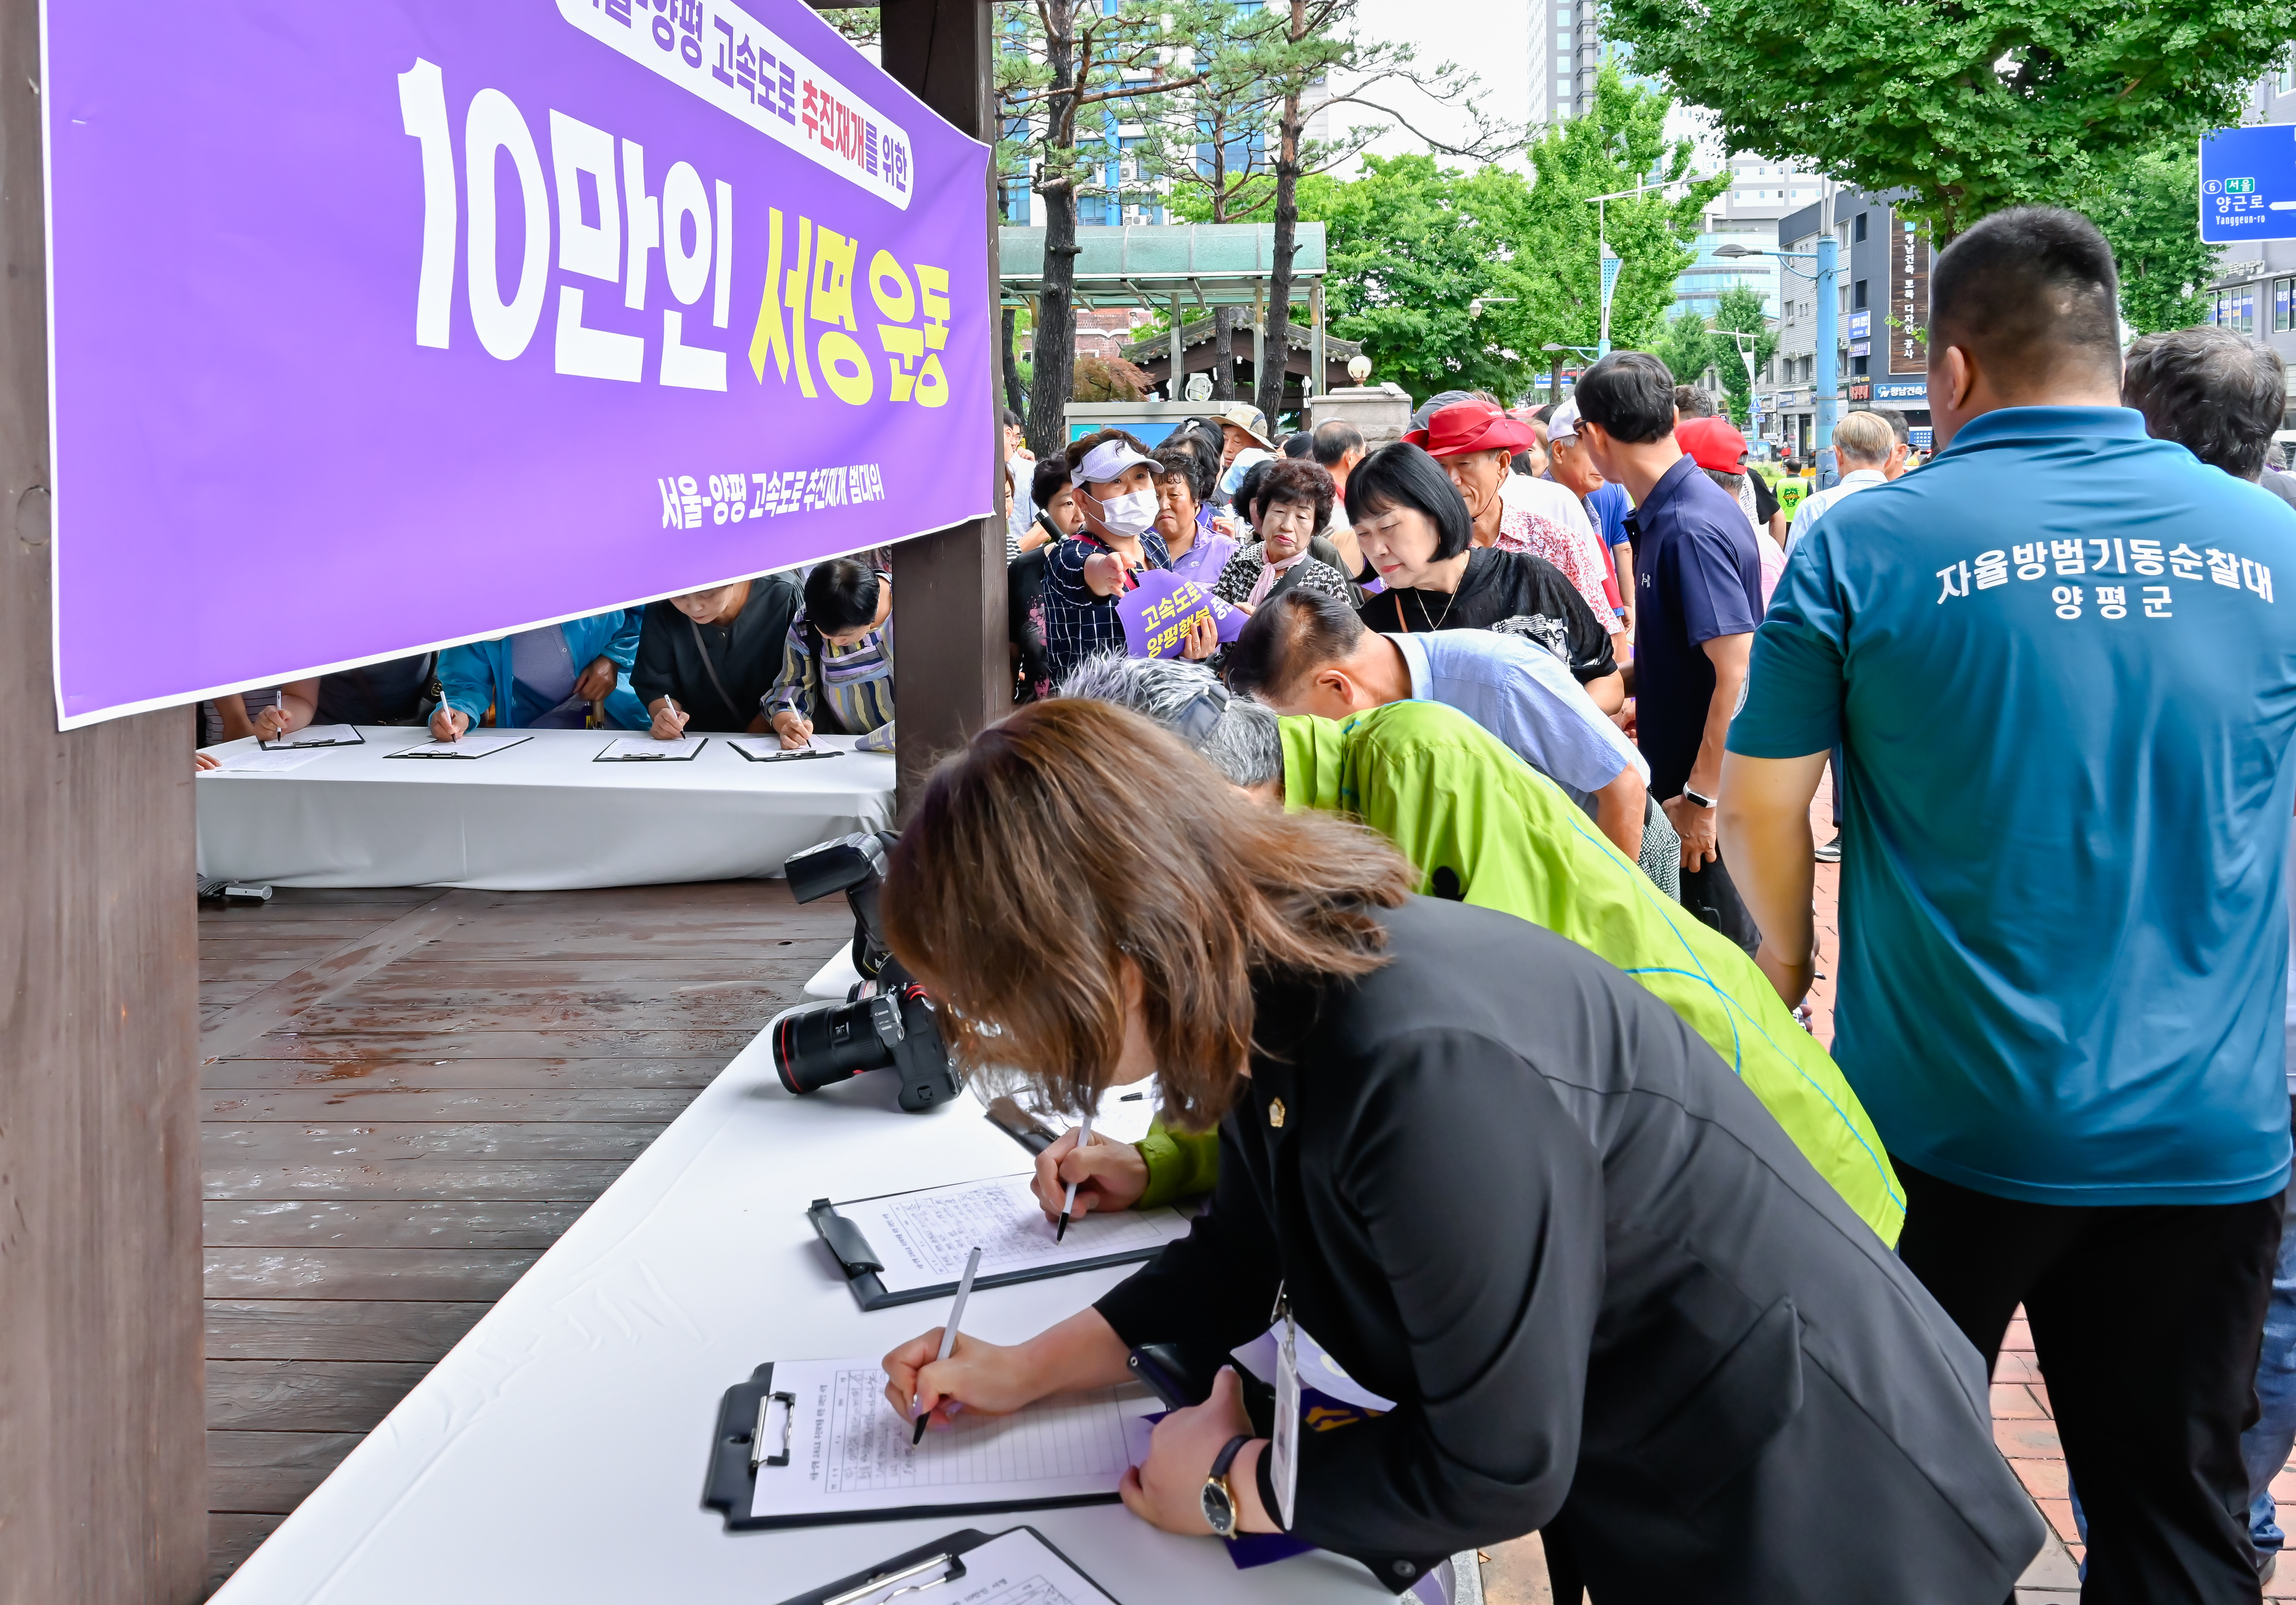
(1685, 346)
(2145, 208)
(1972, 105)
(1266, 69)
(1738, 311)
(1410, 247)
(1071, 68)
(1556, 265)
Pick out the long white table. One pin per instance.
(540, 816)
(557, 1455)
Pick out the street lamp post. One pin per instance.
(1609, 265)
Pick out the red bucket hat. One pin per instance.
(1713, 443)
(1471, 426)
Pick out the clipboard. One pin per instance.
(737, 1454)
(430, 750)
(864, 1267)
(607, 754)
(780, 756)
(915, 1569)
(296, 739)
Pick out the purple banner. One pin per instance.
(1157, 613)
(380, 326)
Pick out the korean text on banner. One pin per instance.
(1157, 614)
(465, 318)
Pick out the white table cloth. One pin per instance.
(557, 1455)
(540, 816)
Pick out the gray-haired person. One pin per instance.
(2217, 394)
(1237, 737)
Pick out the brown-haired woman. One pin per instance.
(1498, 1182)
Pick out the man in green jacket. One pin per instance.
(1485, 828)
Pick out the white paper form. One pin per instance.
(923, 1238)
(644, 749)
(471, 745)
(849, 1449)
(255, 760)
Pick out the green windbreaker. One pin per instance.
(1454, 800)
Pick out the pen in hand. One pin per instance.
(1068, 1206)
(948, 1332)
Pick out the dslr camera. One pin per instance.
(888, 1020)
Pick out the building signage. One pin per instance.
(2248, 183)
(1914, 391)
(1861, 389)
(1909, 298)
(1861, 326)
(443, 320)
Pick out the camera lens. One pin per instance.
(817, 1046)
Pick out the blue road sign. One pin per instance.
(2248, 183)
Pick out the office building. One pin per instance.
(2253, 289)
(1883, 302)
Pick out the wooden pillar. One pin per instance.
(102, 1407)
(1317, 353)
(1179, 354)
(1260, 342)
(948, 586)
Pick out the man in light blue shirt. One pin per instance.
(2065, 689)
(1870, 454)
(1307, 653)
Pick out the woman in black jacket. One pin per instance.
(1495, 1179)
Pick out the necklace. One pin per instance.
(1433, 624)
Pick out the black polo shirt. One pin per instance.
(718, 672)
(1698, 576)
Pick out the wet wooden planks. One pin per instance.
(409, 1095)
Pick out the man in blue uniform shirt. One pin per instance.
(2066, 691)
(1698, 596)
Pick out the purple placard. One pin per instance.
(730, 314)
(1157, 613)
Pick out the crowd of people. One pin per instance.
(788, 652)
(1541, 1152)
(1452, 875)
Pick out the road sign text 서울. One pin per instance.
(2248, 183)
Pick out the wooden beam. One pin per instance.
(103, 1484)
(955, 672)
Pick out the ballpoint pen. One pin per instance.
(1068, 1206)
(948, 1332)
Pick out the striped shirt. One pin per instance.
(856, 681)
(1079, 624)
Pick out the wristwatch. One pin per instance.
(1699, 799)
(1219, 1498)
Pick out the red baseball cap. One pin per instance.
(1471, 426)
(1713, 443)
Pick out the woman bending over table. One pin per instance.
(1496, 1180)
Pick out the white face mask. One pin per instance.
(1128, 515)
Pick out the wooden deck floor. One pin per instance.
(407, 1096)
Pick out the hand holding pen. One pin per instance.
(948, 1337)
(1068, 1204)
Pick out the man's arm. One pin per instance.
(1619, 809)
(1764, 827)
(1729, 655)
